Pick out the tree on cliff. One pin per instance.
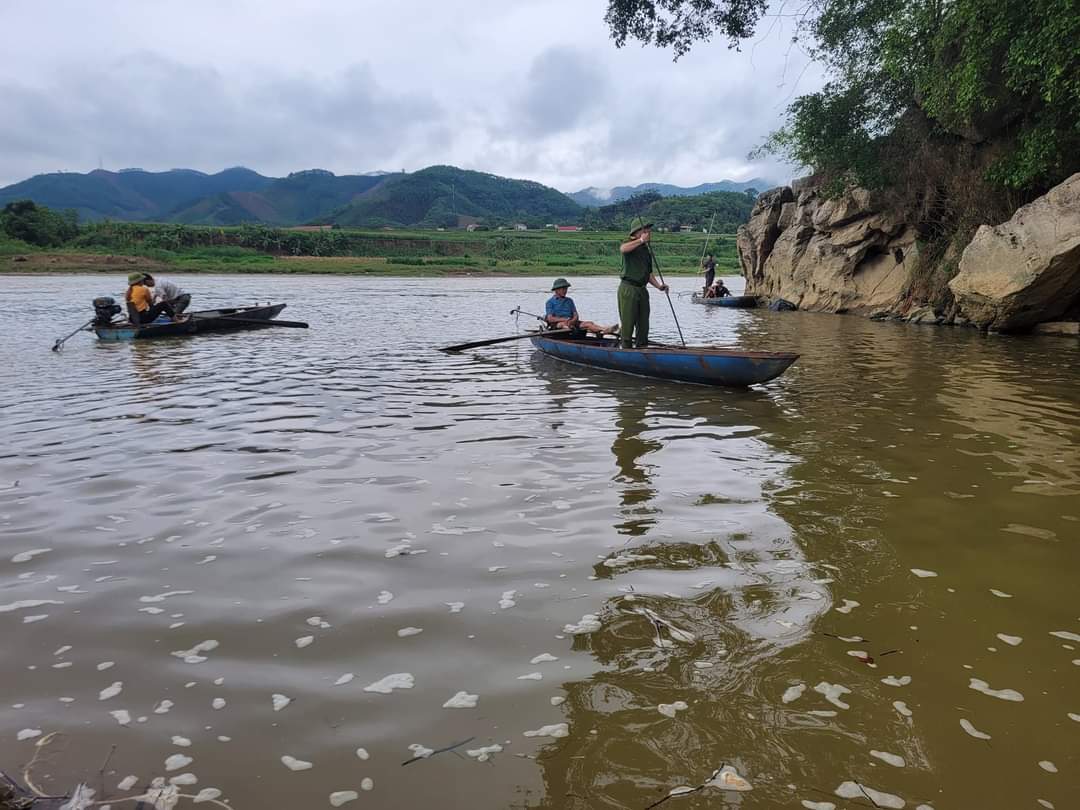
(1001, 72)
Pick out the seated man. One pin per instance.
(560, 312)
(140, 300)
(165, 290)
(718, 290)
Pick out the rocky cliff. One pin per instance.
(858, 254)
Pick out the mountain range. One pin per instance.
(438, 196)
(594, 197)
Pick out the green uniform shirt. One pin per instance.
(637, 266)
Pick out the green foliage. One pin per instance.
(731, 209)
(1001, 71)
(37, 225)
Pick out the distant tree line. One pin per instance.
(37, 225)
(729, 208)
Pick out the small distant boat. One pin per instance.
(741, 301)
(704, 365)
(209, 320)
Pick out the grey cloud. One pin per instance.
(562, 85)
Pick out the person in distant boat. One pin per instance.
(165, 290)
(708, 267)
(140, 300)
(560, 312)
(637, 272)
(717, 290)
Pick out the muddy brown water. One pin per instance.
(835, 572)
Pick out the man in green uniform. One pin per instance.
(637, 271)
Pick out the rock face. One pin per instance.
(1026, 271)
(850, 254)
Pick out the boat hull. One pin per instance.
(739, 301)
(206, 321)
(702, 365)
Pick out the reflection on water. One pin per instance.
(843, 580)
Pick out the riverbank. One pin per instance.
(88, 263)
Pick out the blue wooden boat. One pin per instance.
(704, 365)
(741, 301)
(210, 320)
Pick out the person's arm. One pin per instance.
(635, 243)
(657, 283)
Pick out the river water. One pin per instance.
(860, 578)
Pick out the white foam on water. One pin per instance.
(532, 676)
(217, 703)
(822, 713)
(37, 617)
(193, 655)
(851, 790)
(1048, 766)
(1012, 641)
(455, 607)
(161, 597)
(399, 680)
(206, 795)
(363, 754)
(28, 734)
(163, 707)
(543, 658)
(923, 573)
(184, 779)
(111, 691)
(507, 600)
(848, 606)
(182, 742)
(462, 700)
(60, 651)
(704, 664)
(405, 632)
(344, 679)
(304, 641)
(966, 725)
(901, 707)
(421, 751)
(541, 585)
(1002, 694)
(793, 693)
(558, 700)
(727, 778)
(1074, 716)
(627, 559)
(495, 568)
(590, 623)
(127, 783)
(484, 752)
(1066, 635)
(61, 665)
(175, 762)
(280, 701)
(681, 790)
(555, 731)
(209, 558)
(384, 597)
(670, 709)
(294, 764)
(122, 716)
(892, 680)
(23, 604)
(1049, 805)
(809, 805)
(224, 739)
(340, 797)
(833, 692)
(26, 556)
(367, 783)
(895, 760)
(1000, 594)
(153, 611)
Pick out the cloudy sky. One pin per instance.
(523, 88)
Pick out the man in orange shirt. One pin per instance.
(140, 300)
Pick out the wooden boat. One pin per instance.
(704, 365)
(209, 320)
(741, 301)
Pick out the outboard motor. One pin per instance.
(104, 309)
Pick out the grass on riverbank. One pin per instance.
(403, 253)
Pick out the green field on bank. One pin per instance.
(104, 247)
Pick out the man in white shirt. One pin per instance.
(165, 290)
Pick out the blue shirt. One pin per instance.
(560, 307)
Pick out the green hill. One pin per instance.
(301, 197)
(731, 209)
(131, 194)
(444, 196)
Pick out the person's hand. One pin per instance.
(663, 288)
(645, 236)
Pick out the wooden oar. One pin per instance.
(253, 321)
(61, 341)
(478, 343)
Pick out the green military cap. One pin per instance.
(135, 278)
(637, 224)
(560, 282)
